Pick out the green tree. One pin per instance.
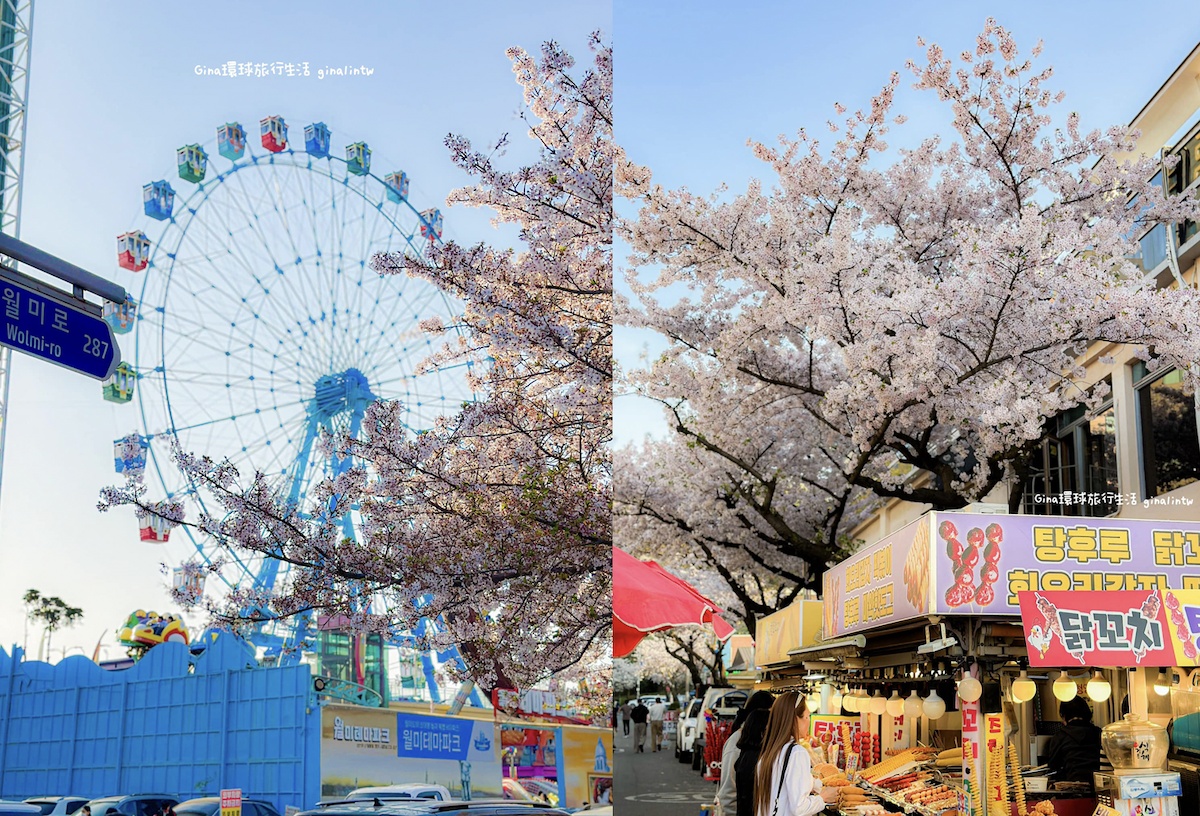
(52, 613)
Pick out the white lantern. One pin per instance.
(969, 689)
(1064, 688)
(934, 706)
(1162, 685)
(1023, 688)
(1098, 689)
(835, 701)
(878, 703)
(850, 702)
(895, 705)
(912, 704)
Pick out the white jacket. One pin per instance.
(799, 796)
(727, 792)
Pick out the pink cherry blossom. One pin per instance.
(878, 311)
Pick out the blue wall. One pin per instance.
(174, 723)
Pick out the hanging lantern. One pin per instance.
(1023, 688)
(1064, 688)
(934, 706)
(969, 688)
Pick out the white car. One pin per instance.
(686, 731)
(407, 790)
(57, 805)
(9, 808)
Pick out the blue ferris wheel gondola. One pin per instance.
(158, 200)
(397, 186)
(261, 326)
(130, 460)
(316, 140)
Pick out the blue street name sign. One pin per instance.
(32, 320)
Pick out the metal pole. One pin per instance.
(6, 354)
(63, 270)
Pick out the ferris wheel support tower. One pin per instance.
(16, 45)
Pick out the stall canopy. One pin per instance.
(647, 598)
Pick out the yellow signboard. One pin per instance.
(790, 628)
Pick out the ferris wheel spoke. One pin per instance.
(294, 283)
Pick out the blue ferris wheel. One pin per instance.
(259, 324)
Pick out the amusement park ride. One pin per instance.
(259, 325)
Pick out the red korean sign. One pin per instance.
(1122, 628)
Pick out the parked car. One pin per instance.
(718, 704)
(139, 804)
(432, 807)
(405, 790)
(8, 808)
(686, 730)
(57, 805)
(211, 806)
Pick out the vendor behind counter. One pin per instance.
(1074, 752)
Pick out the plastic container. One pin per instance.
(1135, 745)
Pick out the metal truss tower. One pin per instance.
(16, 45)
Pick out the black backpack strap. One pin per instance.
(782, 776)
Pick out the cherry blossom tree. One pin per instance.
(498, 520)
(880, 312)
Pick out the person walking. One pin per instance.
(726, 801)
(625, 710)
(783, 780)
(749, 746)
(639, 715)
(657, 712)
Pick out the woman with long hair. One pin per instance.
(749, 745)
(783, 781)
(727, 798)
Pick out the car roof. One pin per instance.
(410, 807)
(207, 799)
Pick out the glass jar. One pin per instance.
(1135, 745)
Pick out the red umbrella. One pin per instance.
(647, 598)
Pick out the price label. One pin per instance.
(852, 767)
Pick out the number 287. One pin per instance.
(95, 346)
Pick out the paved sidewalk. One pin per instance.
(656, 784)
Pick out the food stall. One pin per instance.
(939, 674)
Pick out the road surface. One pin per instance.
(650, 784)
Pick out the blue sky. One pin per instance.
(113, 93)
(695, 80)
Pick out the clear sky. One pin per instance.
(695, 80)
(113, 93)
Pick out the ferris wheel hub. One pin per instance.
(338, 393)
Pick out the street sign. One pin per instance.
(45, 323)
(231, 802)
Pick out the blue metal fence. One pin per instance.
(174, 723)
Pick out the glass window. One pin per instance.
(74, 806)
(1074, 471)
(1153, 247)
(1170, 446)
